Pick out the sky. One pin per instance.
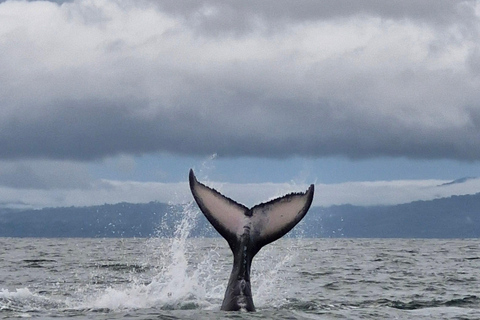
(103, 101)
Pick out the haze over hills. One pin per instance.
(453, 217)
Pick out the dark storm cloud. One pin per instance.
(89, 80)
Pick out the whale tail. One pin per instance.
(247, 230)
(267, 221)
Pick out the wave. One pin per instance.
(38, 263)
(465, 302)
(315, 305)
(124, 267)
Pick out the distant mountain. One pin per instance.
(453, 217)
(117, 220)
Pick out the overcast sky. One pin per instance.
(106, 101)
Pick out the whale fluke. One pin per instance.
(247, 231)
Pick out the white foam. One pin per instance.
(23, 299)
(21, 293)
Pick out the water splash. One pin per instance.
(268, 272)
(177, 284)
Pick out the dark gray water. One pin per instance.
(292, 279)
(182, 278)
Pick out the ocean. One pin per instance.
(185, 278)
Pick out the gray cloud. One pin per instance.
(84, 81)
(217, 16)
(47, 175)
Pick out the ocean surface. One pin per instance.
(185, 278)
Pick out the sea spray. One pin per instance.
(175, 282)
(180, 278)
(268, 272)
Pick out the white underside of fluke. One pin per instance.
(271, 219)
